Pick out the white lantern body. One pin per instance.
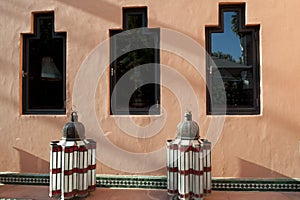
(72, 163)
(188, 163)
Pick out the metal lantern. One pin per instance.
(72, 162)
(188, 162)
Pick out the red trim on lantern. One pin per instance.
(197, 172)
(83, 192)
(186, 148)
(173, 191)
(56, 171)
(75, 170)
(197, 149)
(69, 150)
(82, 148)
(92, 187)
(68, 194)
(186, 172)
(68, 172)
(174, 147)
(207, 169)
(56, 192)
(55, 148)
(75, 191)
(91, 167)
(85, 170)
(198, 195)
(184, 195)
(172, 169)
(207, 191)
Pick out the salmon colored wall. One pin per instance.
(265, 145)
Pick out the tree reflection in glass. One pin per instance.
(232, 52)
(128, 44)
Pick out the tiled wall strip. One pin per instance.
(160, 182)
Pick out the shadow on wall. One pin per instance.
(252, 170)
(103, 9)
(30, 163)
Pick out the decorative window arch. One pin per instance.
(234, 48)
(135, 67)
(44, 68)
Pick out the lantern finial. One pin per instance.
(188, 115)
(74, 130)
(74, 116)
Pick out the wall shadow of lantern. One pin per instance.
(72, 162)
(188, 163)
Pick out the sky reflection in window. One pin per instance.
(228, 42)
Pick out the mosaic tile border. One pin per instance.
(24, 179)
(118, 181)
(160, 182)
(262, 185)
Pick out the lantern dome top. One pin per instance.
(188, 129)
(74, 130)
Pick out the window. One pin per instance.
(134, 58)
(234, 49)
(44, 66)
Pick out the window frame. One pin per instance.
(25, 66)
(254, 30)
(127, 11)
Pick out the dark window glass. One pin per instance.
(44, 68)
(234, 68)
(137, 67)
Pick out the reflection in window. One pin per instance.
(125, 62)
(44, 68)
(234, 51)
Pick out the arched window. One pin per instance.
(44, 68)
(234, 48)
(134, 58)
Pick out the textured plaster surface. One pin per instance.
(265, 145)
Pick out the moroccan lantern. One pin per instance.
(188, 162)
(72, 162)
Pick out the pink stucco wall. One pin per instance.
(265, 145)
